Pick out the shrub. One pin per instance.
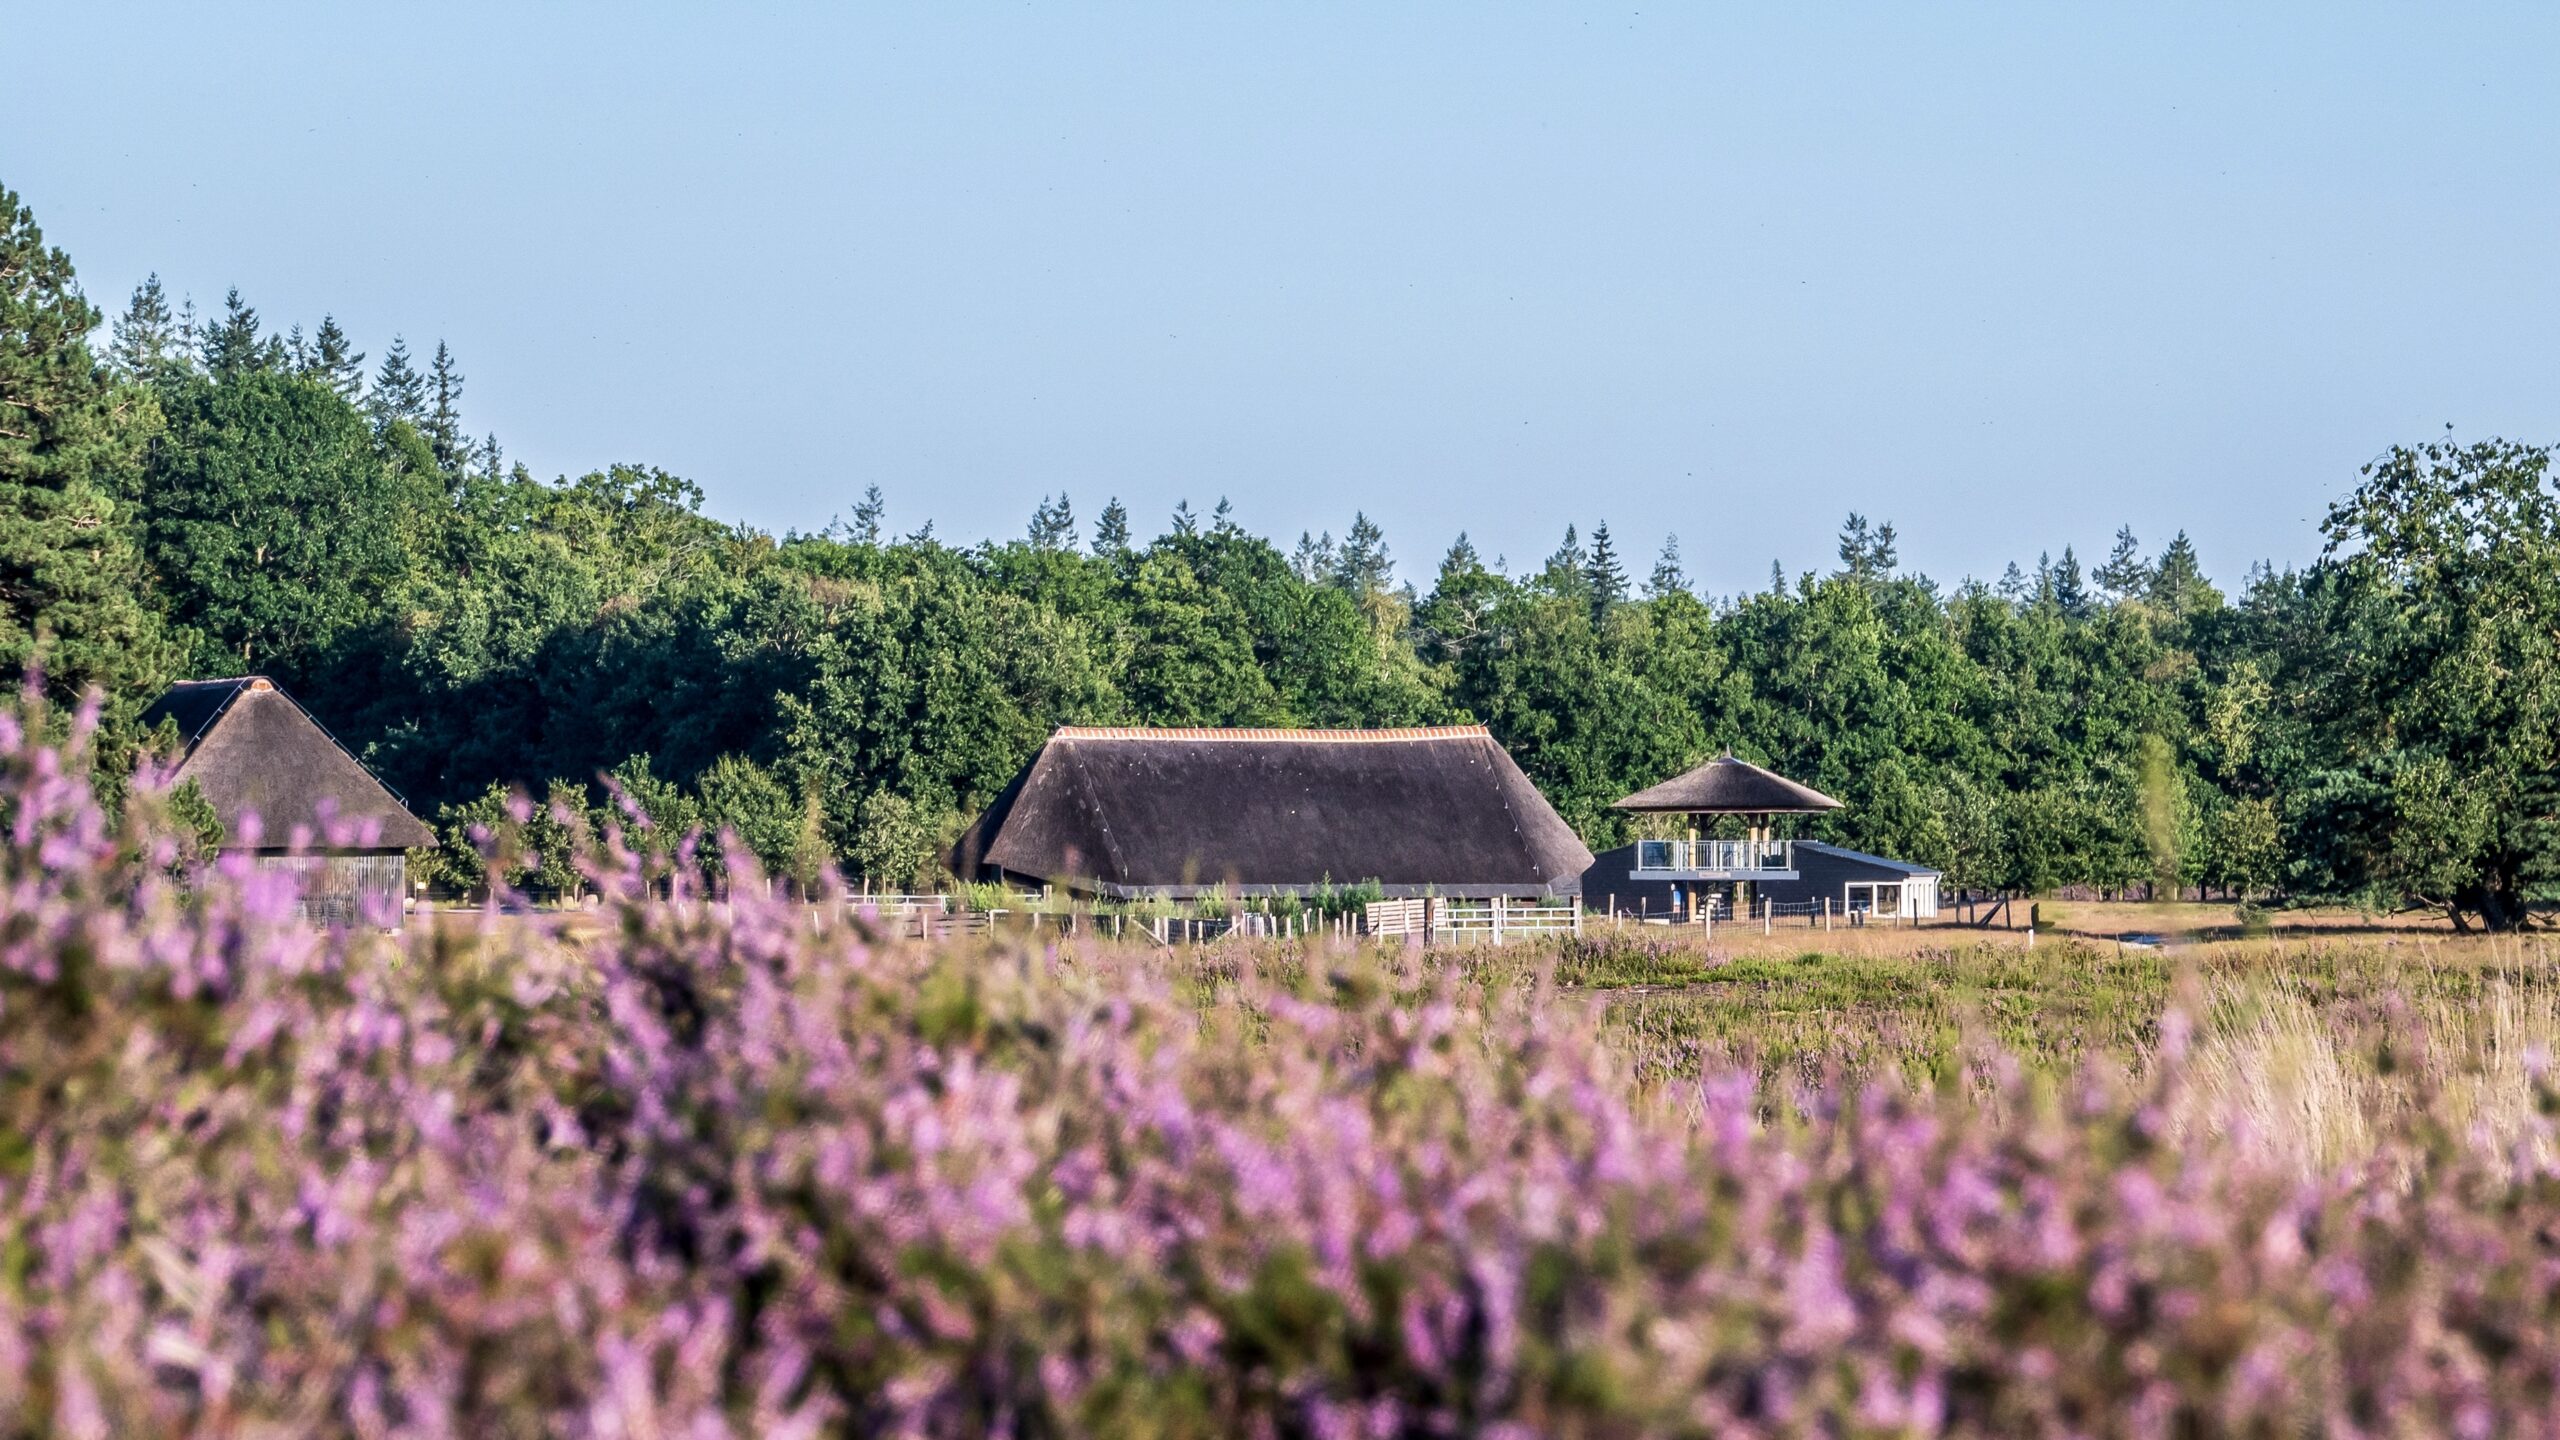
(725, 1170)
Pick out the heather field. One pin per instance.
(707, 1169)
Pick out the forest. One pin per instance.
(188, 494)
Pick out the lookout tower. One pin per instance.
(1686, 875)
(1724, 788)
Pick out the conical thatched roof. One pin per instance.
(253, 751)
(1125, 811)
(1728, 786)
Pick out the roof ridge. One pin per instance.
(1338, 737)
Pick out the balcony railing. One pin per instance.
(1744, 857)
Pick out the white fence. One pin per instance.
(1495, 921)
(919, 917)
(1247, 924)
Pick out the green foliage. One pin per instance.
(2436, 699)
(192, 818)
(482, 842)
(399, 392)
(276, 524)
(149, 347)
(741, 801)
(2383, 726)
(894, 842)
(71, 582)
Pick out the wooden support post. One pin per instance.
(1826, 914)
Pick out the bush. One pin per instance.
(724, 1172)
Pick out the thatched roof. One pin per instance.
(1727, 786)
(253, 751)
(1124, 812)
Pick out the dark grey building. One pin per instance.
(1854, 882)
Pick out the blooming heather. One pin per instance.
(739, 1169)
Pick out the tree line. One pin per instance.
(187, 495)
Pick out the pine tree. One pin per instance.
(443, 427)
(1867, 552)
(867, 518)
(1053, 525)
(1777, 578)
(1184, 522)
(491, 460)
(71, 577)
(232, 346)
(1313, 560)
(399, 392)
(1222, 520)
(2013, 584)
(1111, 532)
(1362, 567)
(2178, 584)
(2125, 574)
(1453, 619)
(1570, 557)
(1606, 577)
(1667, 577)
(148, 346)
(335, 363)
(2070, 592)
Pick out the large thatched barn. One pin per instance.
(1129, 813)
(273, 775)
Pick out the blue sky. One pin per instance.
(2006, 276)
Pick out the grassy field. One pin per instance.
(2093, 981)
(2324, 1026)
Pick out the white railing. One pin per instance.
(1727, 855)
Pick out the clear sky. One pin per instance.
(2006, 276)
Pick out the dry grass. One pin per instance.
(2315, 1082)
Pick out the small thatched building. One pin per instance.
(1690, 874)
(1131, 813)
(282, 785)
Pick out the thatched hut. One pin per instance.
(1687, 874)
(283, 787)
(1130, 813)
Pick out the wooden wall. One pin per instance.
(338, 889)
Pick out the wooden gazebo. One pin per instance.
(1724, 786)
